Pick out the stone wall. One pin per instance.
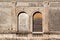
(9, 11)
(54, 19)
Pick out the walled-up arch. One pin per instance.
(37, 22)
(23, 22)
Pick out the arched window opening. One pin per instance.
(37, 22)
(23, 22)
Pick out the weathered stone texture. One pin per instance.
(5, 19)
(30, 0)
(38, 0)
(22, 38)
(6, 0)
(55, 4)
(7, 22)
(30, 4)
(26, 38)
(10, 23)
(54, 20)
(53, 39)
(7, 39)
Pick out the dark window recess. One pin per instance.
(37, 22)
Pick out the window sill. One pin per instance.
(37, 32)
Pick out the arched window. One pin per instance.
(37, 22)
(23, 22)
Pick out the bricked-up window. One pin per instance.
(37, 22)
(23, 22)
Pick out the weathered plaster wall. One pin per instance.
(7, 18)
(9, 11)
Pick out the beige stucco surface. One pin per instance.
(9, 11)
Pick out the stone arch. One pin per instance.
(37, 22)
(23, 22)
